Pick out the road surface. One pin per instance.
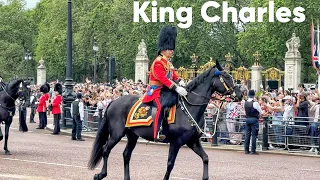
(38, 155)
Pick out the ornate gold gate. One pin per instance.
(273, 74)
(189, 74)
(241, 73)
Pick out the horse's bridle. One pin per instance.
(5, 107)
(227, 86)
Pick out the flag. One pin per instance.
(314, 48)
(234, 113)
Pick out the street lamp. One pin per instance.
(95, 49)
(68, 94)
(28, 56)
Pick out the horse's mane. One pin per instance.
(198, 80)
(14, 86)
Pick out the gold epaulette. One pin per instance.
(159, 58)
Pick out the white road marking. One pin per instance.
(180, 178)
(16, 176)
(47, 163)
(315, 170)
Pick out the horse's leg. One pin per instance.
(1, 135)
(173, 152)
(197, 148)
(131, 144)
(7, 128)
(106, 151)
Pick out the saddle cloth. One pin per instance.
(142, 115)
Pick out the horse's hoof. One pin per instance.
(99, 176)
(8, 153)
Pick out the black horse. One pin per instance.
(178, 134)
(8, 96)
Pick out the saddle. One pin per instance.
(142, 114)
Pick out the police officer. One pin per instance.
(253, 111)
(77, 114)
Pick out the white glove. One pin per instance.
(182, 91)
(182, 83)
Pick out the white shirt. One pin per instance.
(31, 99)
(230, 107)
(81, 109)
(288, 113)
(256, 105)
(316, 113)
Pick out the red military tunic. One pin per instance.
(56, 105)
(42, 106)
(161, 73)
(47, 96)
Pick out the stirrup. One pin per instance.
(161, 137)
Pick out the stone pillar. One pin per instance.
(256, 77)
(41, 73)
(292, 76)
(141, 63)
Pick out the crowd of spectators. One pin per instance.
(298, 109)
(281, 106)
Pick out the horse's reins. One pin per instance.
(5, 107)
(7, 92)
(191, 119)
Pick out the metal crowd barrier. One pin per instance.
(274, 132)
(91, 120)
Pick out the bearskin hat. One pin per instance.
(167, 38)
(48, 87)
(44, 89)
(58, 87)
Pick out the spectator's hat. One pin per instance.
(251, 93)
(58, 87)
(167, 39)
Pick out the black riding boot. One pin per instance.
(160, 136)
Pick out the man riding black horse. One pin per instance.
(163, 79)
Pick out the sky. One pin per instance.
(31, 3)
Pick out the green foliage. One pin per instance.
(270, 38)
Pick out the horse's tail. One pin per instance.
(101, 139)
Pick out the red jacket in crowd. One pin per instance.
(56, 105)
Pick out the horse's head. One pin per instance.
(15, 88)
(223, 83)
(214, 80)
